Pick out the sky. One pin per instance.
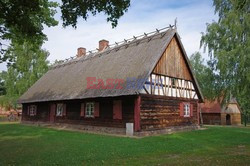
(142, 16)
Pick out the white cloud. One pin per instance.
(142, 16)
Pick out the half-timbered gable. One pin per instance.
(172, 75)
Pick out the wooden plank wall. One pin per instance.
(158, 112)
(234, 117)
(73, 112)
(172, 62)
(211, 118)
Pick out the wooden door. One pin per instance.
(228, 119)
(52, 113)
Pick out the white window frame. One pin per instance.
(59, 109)
(89, 109)
(186, 110)
(32, 110)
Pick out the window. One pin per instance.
(59, 109)
(32, 110)
(172, 81)
(89, 110)
(186, 110)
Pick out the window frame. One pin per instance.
(59, 108)
(32, 110)
(89, 109)
(186, 112)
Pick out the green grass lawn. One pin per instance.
(3, 118)
(26, 145)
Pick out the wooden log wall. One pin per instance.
(42, 113)
(211, 118)
(73, 112)
(159, 112)
(235, 118)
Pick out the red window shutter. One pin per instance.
(117, 109)
(191, 109)
(82, 114)
(181, 109)
(96, 109)
(64, 109)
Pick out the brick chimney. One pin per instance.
(103, 44)
(81, 52)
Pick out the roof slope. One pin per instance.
(232, 107)
(211, 106)
(68, 81)
(134, 59)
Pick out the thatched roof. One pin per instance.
(232, 107)
(211, 106)
(134, 59)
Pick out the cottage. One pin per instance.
(231, 113)
(211, 112)
(145, 82)
(214, 114)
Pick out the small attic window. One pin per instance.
(173, 81)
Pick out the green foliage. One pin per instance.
(228, 43)
(29, 63)
(26, 145)
(2, 86)
(72, 9)
(204, 75)
(25, 20)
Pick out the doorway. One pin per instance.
(228, 119)
(52, 113)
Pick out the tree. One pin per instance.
(228, 43)
(205, 76)
(28, 65)
(25, 19)
(72, 9)
(2, 84)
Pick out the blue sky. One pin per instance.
(142, 16)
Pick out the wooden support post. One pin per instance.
(171, 87)
(165, 86)
(52, 113)
(151, 84)
(186, 89)
(201, 118)
(179, 88)
(158, 82)
(175, 87)
(162, 85)
(154, 84)
(137, 117)
(190, 90)
(198, 112)
(168, 86)
(182, 88)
